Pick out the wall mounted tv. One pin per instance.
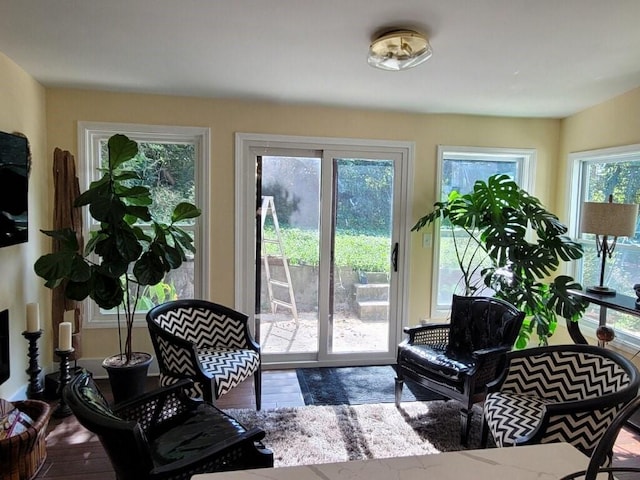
(14, 186)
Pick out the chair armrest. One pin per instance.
(429, 334)
(195, 463)
(157, 406)
(489, 362)
(176, 356)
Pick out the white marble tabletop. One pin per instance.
(533, 462)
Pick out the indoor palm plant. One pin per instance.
(505, 240)
(121, 257)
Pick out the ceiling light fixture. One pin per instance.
(399, 50)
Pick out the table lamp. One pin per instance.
(608, 221)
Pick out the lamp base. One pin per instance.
(600, 290)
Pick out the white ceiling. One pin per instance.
(533, 58)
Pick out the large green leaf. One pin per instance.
(105, 290)
(149, 270)
(184, 211)
(66, 237)
(54, 267)
(121, 149)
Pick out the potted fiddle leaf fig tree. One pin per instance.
(121, 258)
(506, 241)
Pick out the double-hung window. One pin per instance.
(458, 169)
(596, 174)
(172, 163)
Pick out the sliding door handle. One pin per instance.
(394, 257)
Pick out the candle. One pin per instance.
(64, 336)
(33, 317)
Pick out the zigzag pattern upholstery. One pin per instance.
(206, 342)
(563, 393)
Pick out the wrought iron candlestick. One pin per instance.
(63, 409)
(35, 390)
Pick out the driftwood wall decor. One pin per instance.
(65, 215)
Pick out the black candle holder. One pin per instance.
(35, 390)
(63, 409)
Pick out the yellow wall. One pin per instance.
(226, 117)
(22, 109)
(610, 124)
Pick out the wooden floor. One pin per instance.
(75, 454)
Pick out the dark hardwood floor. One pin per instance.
(76, 454)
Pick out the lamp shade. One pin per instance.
(399, 50)
(607, 218)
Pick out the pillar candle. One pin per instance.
(33, 317)
(64, 336)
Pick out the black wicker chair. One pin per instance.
(459, 358)
(560, 393)
(164, 434)
(209, 343)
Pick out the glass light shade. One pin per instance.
(399, 50)
(611, 219)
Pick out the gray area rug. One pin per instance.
(324, 434)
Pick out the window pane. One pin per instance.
(622, 180)
(460, 174)
(168, 170)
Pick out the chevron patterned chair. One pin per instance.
(459, 358)
(601, 458)
(209, 343)
(560, 393)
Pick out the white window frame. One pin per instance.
(575, 198)
(525, 159)
(89, 136)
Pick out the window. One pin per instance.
(172, 162)
(458, 169)
(597, 174)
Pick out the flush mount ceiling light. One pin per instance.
(399, 50)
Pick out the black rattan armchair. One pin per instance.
(164, 434)
(459, 358)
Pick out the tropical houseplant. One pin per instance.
(506, 241)
(128, 253)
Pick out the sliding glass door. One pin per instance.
(326, 250)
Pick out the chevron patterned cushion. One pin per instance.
(228, 367)
(510, 416)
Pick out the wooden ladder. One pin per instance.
(276, 259)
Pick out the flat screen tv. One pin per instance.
(14, 186)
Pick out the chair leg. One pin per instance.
(257, 382)
(465, 425)
(398, 389)
(484, 433)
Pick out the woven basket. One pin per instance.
(21, 456)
